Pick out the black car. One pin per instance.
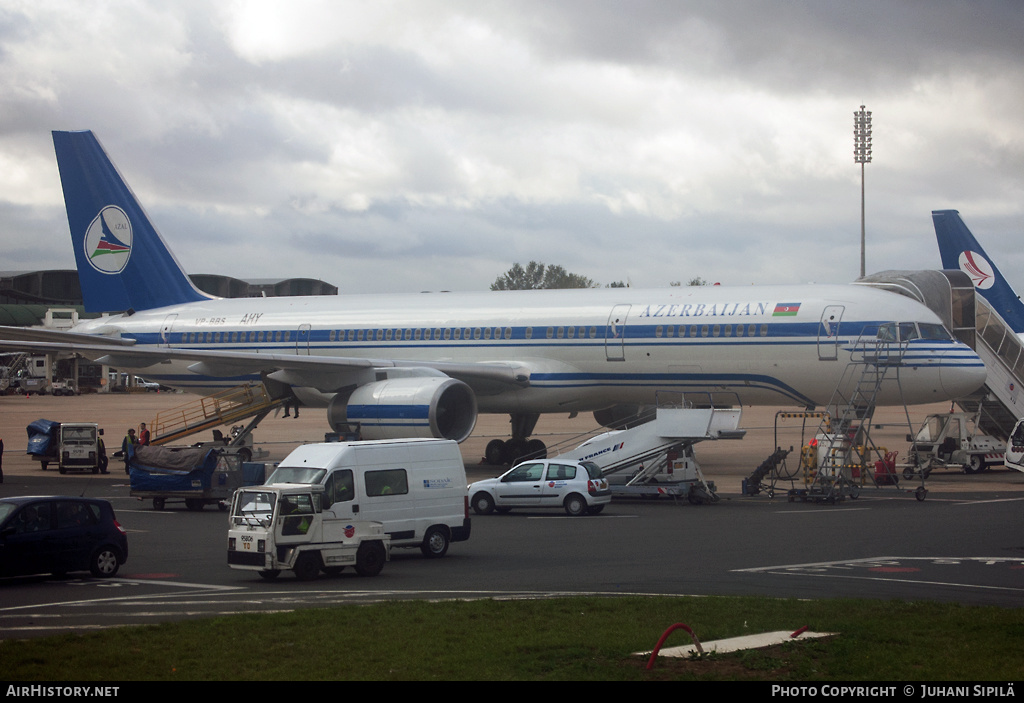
(58, 534)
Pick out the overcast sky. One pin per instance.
(426, 145)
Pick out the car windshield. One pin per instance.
(296, 474)
(78, 435)
(252, 507)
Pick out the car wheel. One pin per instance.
(483, 504)
(105, 562)
(435, 543)
(975, 465)
(307, 566)
(370, 558)
(158, 503)
(575, 505)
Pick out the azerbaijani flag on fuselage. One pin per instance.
(786, 309)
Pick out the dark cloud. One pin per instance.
(430, 145)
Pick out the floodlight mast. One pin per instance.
(862, 155)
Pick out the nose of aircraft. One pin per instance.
(962, 372)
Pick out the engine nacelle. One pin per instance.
(438, 407)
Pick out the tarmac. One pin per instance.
(726, 463)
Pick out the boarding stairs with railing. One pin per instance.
(250, 400)
(845, 449)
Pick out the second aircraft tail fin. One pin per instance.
(960, 250)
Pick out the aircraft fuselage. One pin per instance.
(582, 349)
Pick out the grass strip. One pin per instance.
(580, 639)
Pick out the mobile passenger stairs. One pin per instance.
(838, 462)
(660, 451)
(951, 295)
(250, 401)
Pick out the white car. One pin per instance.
(578, 487)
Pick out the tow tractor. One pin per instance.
(952, 440)
(71, 445)
(283, 527)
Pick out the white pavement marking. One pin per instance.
(855, 569)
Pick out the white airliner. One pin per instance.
(426, 364)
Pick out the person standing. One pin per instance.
(143, 435)
(101, 448)
(1, 459)
(128, 448)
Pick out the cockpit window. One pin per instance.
(906, 331)
(887, 332)
(932, 331)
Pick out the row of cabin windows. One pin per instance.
(714, 330)
(458, 333)
(418, 334)
(228, 337)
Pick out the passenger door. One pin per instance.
(828, 332)
(302, 336)
(339, 494)
(556, 486)
(165, 329)
(77, 532)
(522, 486)
(615, 334)
(27, 547)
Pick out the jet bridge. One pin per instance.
(661, 451)
(950, 294)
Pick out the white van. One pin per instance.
(416, 487)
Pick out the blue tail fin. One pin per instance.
(960, 250)
(123, 264)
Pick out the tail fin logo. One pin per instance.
(978, 268)
(108, 241)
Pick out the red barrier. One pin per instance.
(677, 626)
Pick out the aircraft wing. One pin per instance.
(326, 373)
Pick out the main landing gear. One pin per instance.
(519, 448)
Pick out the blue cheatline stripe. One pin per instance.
(632, 334)
(388, 412)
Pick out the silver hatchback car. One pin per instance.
(577, 487)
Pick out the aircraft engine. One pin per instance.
(438, 407)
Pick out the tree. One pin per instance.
(537, 275)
